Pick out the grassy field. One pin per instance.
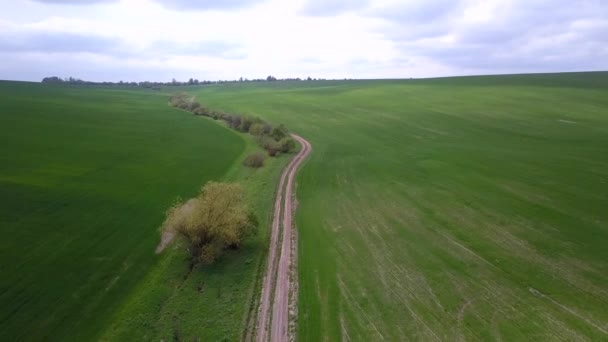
(85, 176)
(213, 303)
(447, 208)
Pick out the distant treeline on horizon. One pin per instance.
(156, 85)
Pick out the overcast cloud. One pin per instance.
(137, 40)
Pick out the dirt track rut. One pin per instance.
(273, 315)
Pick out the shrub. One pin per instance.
(192, 106)
(235, 121)
(279, 132)
(180, 100)
(273, 152)
(267, 142)
(270, 145)
(257, 129)
(255, 160)
(287, 144)
(246, 122)
(217, 219)
(201, 111)
(223, 116)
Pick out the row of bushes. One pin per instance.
(273, 139)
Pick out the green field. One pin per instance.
(449, 208)
(213, 303)
(470, 207)
(85, 177)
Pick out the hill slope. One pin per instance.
(446, 208)
(85, 176)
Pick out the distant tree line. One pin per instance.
(274, 139)
(173, 82)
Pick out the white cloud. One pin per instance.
(156, 40)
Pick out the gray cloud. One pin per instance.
(332, 7)
(218, 49)
(433, 36)
(59, 42)
(171, 4)
(72, 2)
(523, 36)
(34, 68)
(421, 12)
(207, 4)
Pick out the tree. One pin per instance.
(193, 105)
(180, 100)
(270, 145)
(246, 123)
(279, 132)
(287, 144)
(202, 111)
(257, 129)
(255, 160)
(267, 128)
(235, 122)
(219, 218)
(52, 79)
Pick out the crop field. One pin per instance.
(441, 209)
(215, 302)
(85, 177)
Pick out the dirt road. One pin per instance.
(273, 316)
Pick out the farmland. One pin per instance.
(447, 208)
(215, 302)
(433, 209)
(85, 177)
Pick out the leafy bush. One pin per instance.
(246, 123)
(201, 111)
(267, 129)
(219, 218)
(233, 121)
(179, 100)
(236, 121)
(287, 144)
(270, 145)
(192, 106)
(255, 160)
(279, 132)
(257, 129)
(273, 139)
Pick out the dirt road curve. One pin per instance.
(273, 316)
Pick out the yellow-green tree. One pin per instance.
(217, 219)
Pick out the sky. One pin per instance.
(158, 40)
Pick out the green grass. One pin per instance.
(85, 176)
(444, 208)
(213, 302)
